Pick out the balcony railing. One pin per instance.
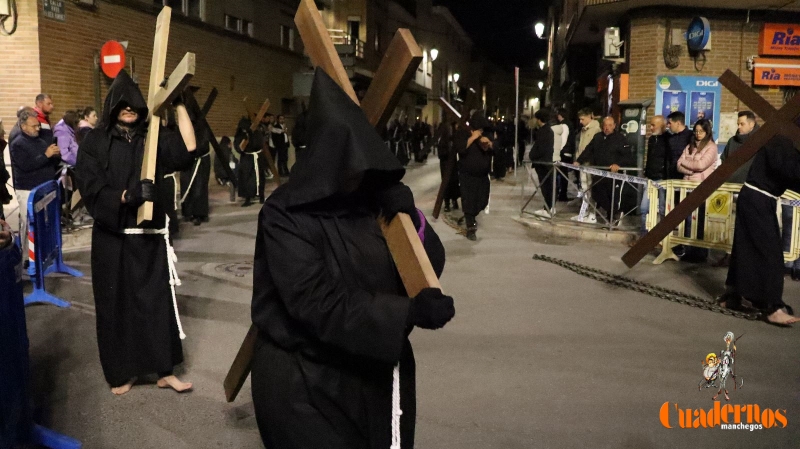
(345, 44)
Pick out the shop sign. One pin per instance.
(776, 72)
(779, 39)
(699, 34)
(696, 96)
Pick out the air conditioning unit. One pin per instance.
(5, 8)
(612, 45)
(90, 3)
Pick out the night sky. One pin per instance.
(503, 29)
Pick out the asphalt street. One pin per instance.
(536, 357)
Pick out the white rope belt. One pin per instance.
(396, 411)
(763, 192)
(194, 174)
(175, 195)
(172, 258)
(255, 161)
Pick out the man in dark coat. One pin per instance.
(746, 126)
(608, 149)
(756, 267)
(541, 157)
(138, 330)
(332, 314)
(679, 138)
(567, 153)
(194, 181)
(657, 167)
(279, 140)
(475, 163)
(444, 145)
(252, 162)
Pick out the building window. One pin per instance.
(189, 8)
(287, 37)
(238, 25)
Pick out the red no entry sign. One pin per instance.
(112, 58)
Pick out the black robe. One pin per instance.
(137, 332)
(194, 181)
(328, 302)
(756, 267)
(252, 162)
(444, 143)
(473, 174)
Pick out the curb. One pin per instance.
(584, 233)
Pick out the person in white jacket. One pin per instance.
(589, 127)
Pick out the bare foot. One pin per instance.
(124, 388)
(174, 383)
(781, 318)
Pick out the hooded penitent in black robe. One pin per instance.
(252, 161)
(137, 331)
(756, 267)
(444, 144)
(328, 302)
(473, 170)
(194, 181)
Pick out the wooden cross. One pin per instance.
(776, 122)
(398, 66)
(161, 93)
(191, 104)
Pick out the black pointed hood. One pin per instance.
(342, 145)
(123, 90)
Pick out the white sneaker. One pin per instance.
(269, 175)
(592, 218)
(578, 218)
(544, 213)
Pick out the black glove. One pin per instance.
(398, 198)
(431, 309)
(144, 190)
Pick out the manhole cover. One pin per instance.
(239, 269)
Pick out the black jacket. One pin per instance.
(542, 150)
(607, 150)
(736, 142)
(29, 164)
(677, 143)
(568, 152)
(657, 167)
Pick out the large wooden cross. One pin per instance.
(398, 66)
(161, 93)
(776, 122)
(201, 113)
(253, 126)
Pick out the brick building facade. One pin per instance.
(47, 55)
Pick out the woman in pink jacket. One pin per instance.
(698, 160)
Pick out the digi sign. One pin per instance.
(779, 39)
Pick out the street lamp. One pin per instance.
(541, 64)
(456, 76)
(434, 54)
(541, 85)
(539, 28)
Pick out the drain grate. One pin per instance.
(238, 269)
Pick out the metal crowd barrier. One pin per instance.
(16, 425)
(44, 240)
(621, 181)
(718, 218)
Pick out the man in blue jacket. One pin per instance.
(33, 162)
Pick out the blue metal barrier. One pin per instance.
(16, 426)
(44, 240)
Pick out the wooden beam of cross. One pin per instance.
(161, 93)
(776, 122)
(450, 168)
(407, 251)
(200, 113)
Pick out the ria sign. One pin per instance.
(779, 39)
(698, 34)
